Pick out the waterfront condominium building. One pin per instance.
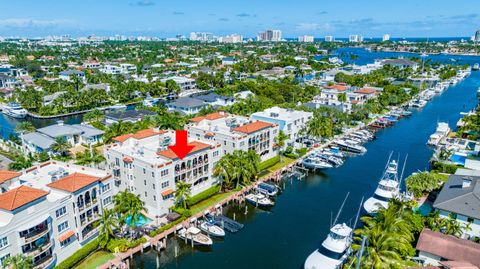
(234, 38)
(51, 210)
(236, 133)
(290, 121)
(270, 35)
(477, 36)
(329, 38)
(143, 163)
(355, 38)
(386, 37)
(306, 38)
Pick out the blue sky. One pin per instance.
(371, 18)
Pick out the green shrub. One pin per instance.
(78, 256)
(301, 151)
(166, 227)
(185, 212)
(444, 167)
(203, 195)
(269, 163)
(291, 155)
(422, 183)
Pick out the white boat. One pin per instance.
(419, 103)
(441, 132)
(14, 110)
(350, 146)
(388, 188)
(259, 199)
(267, 189)
(335, 249)
(117, 107)
(195, 235)
(475, 67)
(211, 229)
(315, 163)
(424, 55)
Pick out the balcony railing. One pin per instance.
(44, 262)
(36, 234)
(39, 250)
(89, 233)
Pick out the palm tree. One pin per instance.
(18, 261)
(25, 127)
(280, 139)
(182, 193)
(108, 223)
(20, 163)
(342, 97)
(135, 208)
(61, 145)
(224, 169)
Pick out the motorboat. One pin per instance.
(194, 236)
(336, 248)
(258, 199)
(326, 157)
(315, 163)
(475, 67)
(267, 189)
(117, 107)
(388, 188)
(149, 101)
(419, 103)
(209, 226)
(441, 132)
(14, 110)
(349, 146)
(336, 152)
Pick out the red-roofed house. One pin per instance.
(7, 178)
(367, 93)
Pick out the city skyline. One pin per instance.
(165, 19)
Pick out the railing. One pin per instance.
(44, 262)
(35, 235)
(39, 250)
(89, 234)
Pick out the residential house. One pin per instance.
(187, 105)
(127, 116)
(216, 100)
(183, 82)
(68, 74)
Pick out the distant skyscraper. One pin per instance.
(477, 36)
(201, 36)
(353, 38)
(234, 38)
(386, 37)
(328, 38)
(270, 35)
(306, 38)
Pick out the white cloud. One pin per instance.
(33, 23)
(312, 26)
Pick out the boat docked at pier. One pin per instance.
(350, 146)
(475, 67)
(209, 226)
(441, 132)
(418, 103)
(335, 249)
(258, 199)
(388, 188)
(267, 189)
(14, 110)
(194, 236)
(315, 163)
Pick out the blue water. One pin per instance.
(286, 235)
(142, 221)
(458, 159)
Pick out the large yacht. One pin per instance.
(14, 110)
(335, 249)
(388, 187)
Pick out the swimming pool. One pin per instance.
(424, 209)
(458, 159)
(142, 220)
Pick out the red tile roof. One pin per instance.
(6, 175)
(253, 127)
(19, 197)
(127, 159)
(66, 235)
(168, 153)
(167, 192)
(74, 182)
(366, 91)
(140, 134)
(212, 116)
(449, 247)
(338, 87)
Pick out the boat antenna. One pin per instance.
(403, 170)
(386, 165)
(340, 210)
(358, 215)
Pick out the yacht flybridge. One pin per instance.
(388, 188)
(335, 249)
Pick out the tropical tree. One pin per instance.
(89, 157)
(342, 97)
(128, 206)
(280, 139)
(18, 261)
(320, 126)
(61, 146)
(20, 163)
(94, 116)
(25, 127)
(238, 167)
(422, 183)
(182, 193)
(108, 223)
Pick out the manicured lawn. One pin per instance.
(200, 206)
(284, 161)
(442, 176)
(95, 260)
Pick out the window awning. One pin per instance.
(167, 192)
(66, 235)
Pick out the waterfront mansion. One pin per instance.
(236, 133)
(50, 211)
(142, 163)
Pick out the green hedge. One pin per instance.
(166, 227)
(301, 151)
(79, 255)
(122, 245)
(269, 163)
(203, 195)
(444, 167)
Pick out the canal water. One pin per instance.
(284, 236)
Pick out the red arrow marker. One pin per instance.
(181, 147)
